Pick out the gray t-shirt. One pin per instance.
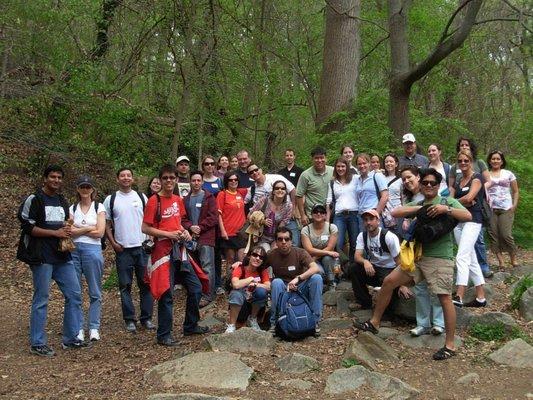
(319, 240)
(195, 206)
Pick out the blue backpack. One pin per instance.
(295, 320)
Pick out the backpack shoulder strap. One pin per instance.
(333, 200)
(112, 205)
(378, 193)
(365, 245)
(158, 209)
(142, 198)
(382, 241)
(394, 180)
(74, 208)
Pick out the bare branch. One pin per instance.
(445, 33)
(496, 19)
(346, 14)
(383, 39)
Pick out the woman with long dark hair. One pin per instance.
(391, 165)
(154, 186)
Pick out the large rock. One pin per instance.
(463, 317)
(297, 363)
(350, 379)
(343, 305)
(330, 324)
(367, 348)
(329, 298)
(406, 309)
(499, 277)
(526, 305)
(211, 322)
(385, 332)
(468, 379)
(244, 340)
(202, 370)
(495, 318)
(345, 286)
(470, 294)
(522, 270)
(362, 315)
(426, 341)
(516, 353)
(187, 396)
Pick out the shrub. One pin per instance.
(523, 284)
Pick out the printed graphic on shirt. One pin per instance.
(171, 211)
(54, 215)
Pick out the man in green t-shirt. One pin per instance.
(435, 266)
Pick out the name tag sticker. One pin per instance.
(251, 180)
(292, 174)
(291, 268)
(238, 197)
(324, 237)
(198, 205)
(214, 185)
(466, 189)
(458, 171)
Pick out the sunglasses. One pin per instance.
(233, 180)
(429, 183)
(319, 212)
(85, 187)
(253, 171)
(257, 256)
(280, 188)
(209, 163)
(463, 161)
(168, 178)
(283, 239)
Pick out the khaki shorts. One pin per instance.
(438, 272)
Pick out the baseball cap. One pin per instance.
(318, 207)
(182, 158)
(408, 137)
(371, 212)
(84, 180)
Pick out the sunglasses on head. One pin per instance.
(253, 171)
(429, 183)
(283, 239)
(168, 178)
(256, 255)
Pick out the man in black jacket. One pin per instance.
(42, 217)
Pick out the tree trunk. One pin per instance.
(399, 108)
(102, 29)
(340, 68)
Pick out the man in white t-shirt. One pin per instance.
(377, 253)
(124, 215)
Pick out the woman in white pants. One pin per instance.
(467, 191)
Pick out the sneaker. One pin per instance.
(81, 335)
(317, 331)
(78, 344)
(437, 330)
(272, 330)
(419, 331)
(130, 326)
(252, 323)
(230, 328)
(148, 324)
(178, 286)
(488, 274)
(476, 303)
(94, 335)
(332, 287)
(42, 350)
(220, 291)
(457, 302)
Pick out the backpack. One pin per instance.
(112, 216)
(295, 319)
(333, 201)
(427, 229)
(382, 243)
(96, 204)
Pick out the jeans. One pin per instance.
(347, 223)
(466, 234)
(238, 297)
(164, 310)
(206, 255)
(310, 288)
(64, 275)
(89, 262)
(428, 309)
(129, 261)
(191, 282)
(326, 264)
(481, 252)
(218, 264)
(292, 225)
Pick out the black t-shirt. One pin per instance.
(475, 209)
(293, 175)
(54, 218)
(244, 179)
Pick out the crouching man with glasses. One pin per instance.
(435, 266)
(293, 269)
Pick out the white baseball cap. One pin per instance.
(182, 158)
(408, 137)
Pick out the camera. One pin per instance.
(148, 246)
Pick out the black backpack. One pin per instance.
(382, 243)
(427, 229)
(112, 216)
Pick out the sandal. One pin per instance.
(443, 354)
(366, 326)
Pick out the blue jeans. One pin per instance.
(347, 223)
(206, 254)
(292, 225)
(238, 297)
(481, 252)
(326, 265)
(428, 308)
(191, 282)
(89, 261)
(64, 275)
(311, 288)
(129, 261)
(164, 310)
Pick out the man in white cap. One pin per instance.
(411, 157)
(183, 184)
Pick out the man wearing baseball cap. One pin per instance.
(377, 253)
(411, 157)
(183, 186)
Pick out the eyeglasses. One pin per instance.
(168, 178)
(283, 239)
(465, 161)
(429, 183)
(209, 163)
(233, 180)
(253, 171)
(280, 188)
(257, 256)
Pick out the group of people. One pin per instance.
(189, 224)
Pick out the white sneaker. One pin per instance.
(230, 328)
(94, 335)
(252, 323)
(81, 335)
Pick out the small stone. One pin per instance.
(297, 384)
(343, 306)
(522, 270)
(297, 363)
(468, 378)
(330, 324)
(367, 348)
(244, 340)
(426, 341)
(516, 353)
(329, 298)
(211, 322)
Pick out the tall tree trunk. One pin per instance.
(340, 67)
(102, 29)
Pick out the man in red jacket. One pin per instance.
(162, 220)
(201, 222)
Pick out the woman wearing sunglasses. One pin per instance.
(277, 210)
(251, 284)
(467, 189)
(212, 183)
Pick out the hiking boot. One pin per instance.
(130, 326)
(94, 335)
(252, 323)
(78, 344)
(230, 328)
(43, 351)
(419, 331)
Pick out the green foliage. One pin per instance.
(496, 332)
(521, 286)
(347, 363)
(112, 280)
(523, 223)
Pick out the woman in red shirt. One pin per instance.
(231, 218)
(251, 284)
